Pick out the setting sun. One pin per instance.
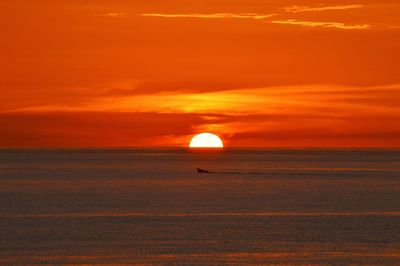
(206, 140)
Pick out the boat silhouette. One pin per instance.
(203, 171)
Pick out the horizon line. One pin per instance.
(205, 148)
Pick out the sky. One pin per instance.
(258, 73)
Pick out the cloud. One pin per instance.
(337, 25)
(255, 16)
(113, 15)
(262, 100)
(81, 129)
(313, 115)
(299, 9)
(314, 136)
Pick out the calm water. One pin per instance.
(150, 207)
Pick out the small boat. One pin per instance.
(202, 171)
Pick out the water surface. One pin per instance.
(143, 206)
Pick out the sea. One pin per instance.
(151, 207)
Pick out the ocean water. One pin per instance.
(151, 207)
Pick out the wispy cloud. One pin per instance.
(113, 15)
(299, 9)
(213, 15)
(337, 25)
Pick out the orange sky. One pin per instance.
(259, 73)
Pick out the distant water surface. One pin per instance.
(151, 207)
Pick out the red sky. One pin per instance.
(153, 73)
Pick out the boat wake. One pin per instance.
(204, 171)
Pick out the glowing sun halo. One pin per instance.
(206, 140)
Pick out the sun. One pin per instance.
(206, 140)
